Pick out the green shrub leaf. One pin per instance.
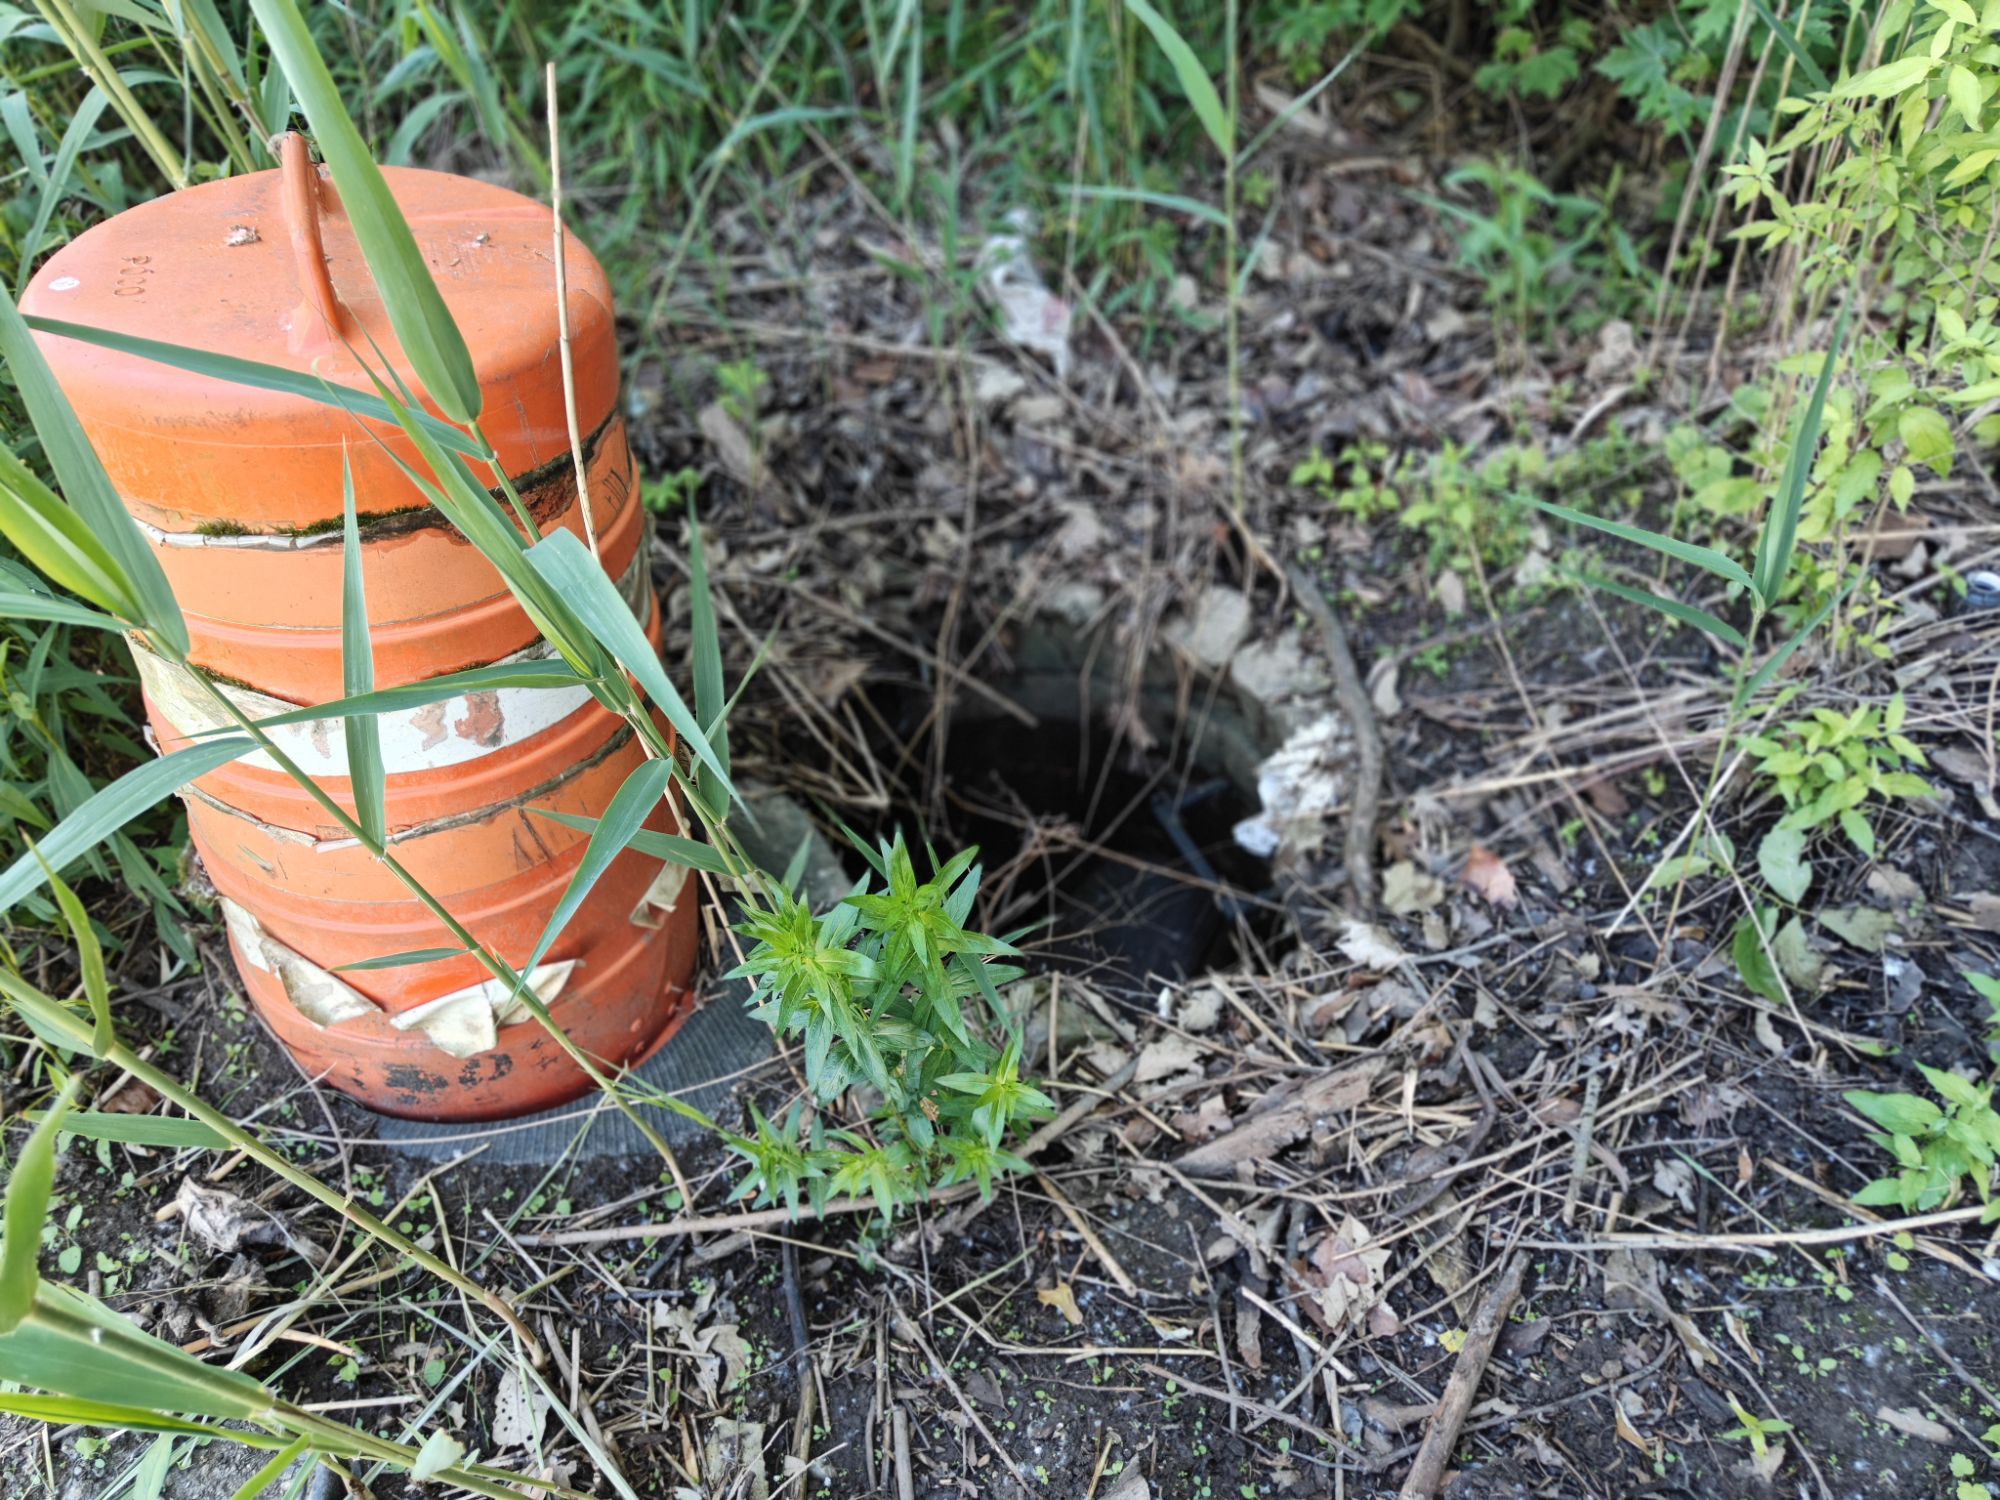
(1781, 859)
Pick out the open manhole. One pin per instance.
(1112, 863)
(1117, 867)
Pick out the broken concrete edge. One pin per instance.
(1269, 724)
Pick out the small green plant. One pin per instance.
(1832, 767)
(1756, 1431)
(1987, 987)
(886, 991)
(743, 385)
(671, 494)
(1468, 514)
(1522, 66)
(1825, 782)
(1361, 482)
(1536, 249)
(1940, 1149)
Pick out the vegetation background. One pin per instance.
(1482, 329)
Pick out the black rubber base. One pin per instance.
(715, 1049)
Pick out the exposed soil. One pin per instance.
(1549, 1066)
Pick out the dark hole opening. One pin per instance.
(1123, 868)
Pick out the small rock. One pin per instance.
(1617, 352)
(1216, 631)
(1269, 674)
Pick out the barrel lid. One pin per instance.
(216, 268)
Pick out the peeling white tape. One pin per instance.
(661, 897)
(323, 998)
(467, 1022)
(464, 1023)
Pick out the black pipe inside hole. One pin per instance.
(1126, 870)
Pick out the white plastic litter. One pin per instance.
(1031, 316)
(1299, 787)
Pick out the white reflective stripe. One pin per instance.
(449, 732)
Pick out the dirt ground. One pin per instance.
(1252, 1265)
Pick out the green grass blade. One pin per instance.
(424, 325)
(1781, 527)
(1292, 110)
(365, 773)
(710, 696)
(89, 957)
(81, 124)
(623, 819)
(1761, 678)
(470, 506)
(797, 114)
(28, 1188)
(402, 960)
(1193, 78)
(1687, 614)
(73, 1345)
(21, 605)
(1811, 71)
(85, 485)
(1172, 202)
(670, 847)
(168, 1132)
(55, 1024)
(258, 376)
(112, 807)
(65, 1411)
(273, 1469)
(1702, 557)
(55, 540)
(569, 569)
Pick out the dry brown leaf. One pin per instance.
(1605, 796)
(135, 1098)
(1984, 909)
(1628, 1432)
(1406, 890)
(1893, 886)
(1487, 873)
(1368, 945)
(1915, 1423)
(1165, 1056)
(732, 445)
(1063, 1300)
(222, 1221)
(1285, 1114)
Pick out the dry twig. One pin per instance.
(1427, 1472)
(1352, 693)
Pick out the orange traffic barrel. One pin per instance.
(239, 491)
